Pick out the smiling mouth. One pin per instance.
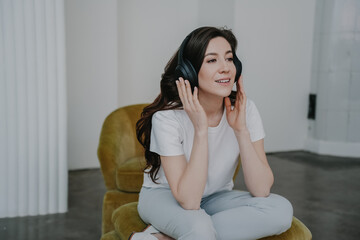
(223, 81)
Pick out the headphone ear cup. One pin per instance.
(238, 67)
(191, 74)
(186, 70)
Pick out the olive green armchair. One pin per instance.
(122, 162)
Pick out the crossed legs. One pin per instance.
(224, 215)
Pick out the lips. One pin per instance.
(223, 81)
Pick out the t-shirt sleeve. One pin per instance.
(166, 138)
(254, 122)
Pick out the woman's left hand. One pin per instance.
(236, 117)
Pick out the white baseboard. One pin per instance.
(339, 149)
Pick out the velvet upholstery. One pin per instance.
(122, 162)
(121, 159)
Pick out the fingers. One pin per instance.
(227, 104)
(195, 96)
(185, 94)
(180, 91)
(240, 95)
(241, 85)
(242, 89)
(189, 94)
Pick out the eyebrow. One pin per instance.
(229, 51)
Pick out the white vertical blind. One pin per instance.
(33, 170)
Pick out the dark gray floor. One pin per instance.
(324, 191)
(82, 221)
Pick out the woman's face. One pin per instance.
(217, 72)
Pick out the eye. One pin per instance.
(230, 59)
(211, 60)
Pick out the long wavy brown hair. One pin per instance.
(169, 97)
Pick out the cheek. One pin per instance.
(202, 83)
(204, 75)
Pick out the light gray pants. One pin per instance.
(224, 215)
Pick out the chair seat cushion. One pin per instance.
(126, 220)
(129, 175)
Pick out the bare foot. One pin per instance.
(162, 236)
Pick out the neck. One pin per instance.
(213, 107)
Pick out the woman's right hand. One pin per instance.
(192, 105)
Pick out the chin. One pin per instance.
(226, 93)
(222, 93)
(214, 91)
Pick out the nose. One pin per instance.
(225, 67)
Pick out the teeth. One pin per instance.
(223, 81)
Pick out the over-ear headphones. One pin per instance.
(187, 71)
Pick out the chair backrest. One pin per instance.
(118, 141)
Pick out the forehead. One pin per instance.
(218, 44)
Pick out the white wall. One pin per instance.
(91, 42)
(275, 44)
(149, 33)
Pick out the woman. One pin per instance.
(193, 134)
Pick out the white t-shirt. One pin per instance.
(172, 134)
